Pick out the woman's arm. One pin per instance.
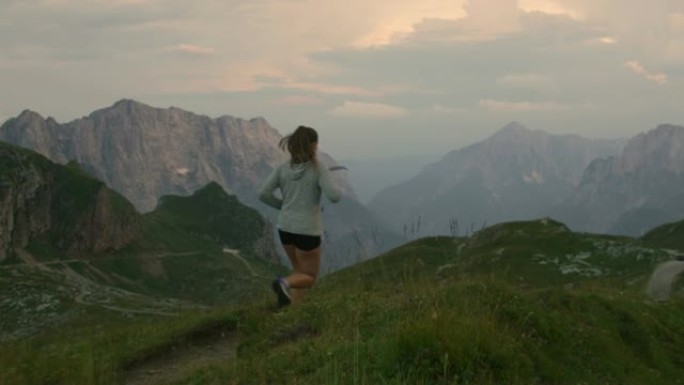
(328, 184)
(267, 190)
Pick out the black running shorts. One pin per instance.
(300, 241)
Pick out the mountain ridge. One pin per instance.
(145, 152)
(514, 174)
(633, 191)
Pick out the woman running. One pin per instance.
(301, 180)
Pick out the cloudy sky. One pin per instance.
(376, 78)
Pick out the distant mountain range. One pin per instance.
(591, 184)
(602, 186)
(515, 174)
(145, 153)
(633, 191)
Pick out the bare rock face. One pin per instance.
(25, 200)
(515, 174)
(661, 149)
(39, 199)
(145, 153)
(104, 227)
(632, 192)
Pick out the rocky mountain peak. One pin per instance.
(129, 105)
(513, 127)
(661, 148)
(258, 120)
(516, 133)
(28, 117)
(147, 153)
(516, 173)
(124, 107)
(211, 190)
(634, 191)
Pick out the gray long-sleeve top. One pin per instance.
(301, 186)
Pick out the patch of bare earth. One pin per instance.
(171, 363)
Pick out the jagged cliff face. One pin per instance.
(25, 201)
(515, 174)
(41, 200)
(661, 149)
(146, 152)
(634, 191)
(109, 223)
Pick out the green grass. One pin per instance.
(479, 331)
(201, 276)
(95, 351)
(669, 236)
(458, 332)
(177, 254)
(212, 214)
(454, 311)
(517, 303)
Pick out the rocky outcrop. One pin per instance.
(109, 223)
(42, 201)
(25, 200)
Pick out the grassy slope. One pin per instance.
(213, 215)
(179, 255)
(400, 319)
(90, 352)
(435, 311)
(669, 236)
(171, 277)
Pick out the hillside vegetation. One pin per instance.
(516, 303)
(72, 249)
(669, 235)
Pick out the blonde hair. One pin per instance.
(300, 145)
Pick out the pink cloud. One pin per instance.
(192, 50)
(638, 68)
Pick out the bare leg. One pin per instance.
(296, 295)
(304, 276)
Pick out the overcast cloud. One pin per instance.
(376, 78)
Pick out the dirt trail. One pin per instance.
(662, 279)
(173, 363)
(86, 287)
(214, 344)
(236, 254)
(32, 261)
